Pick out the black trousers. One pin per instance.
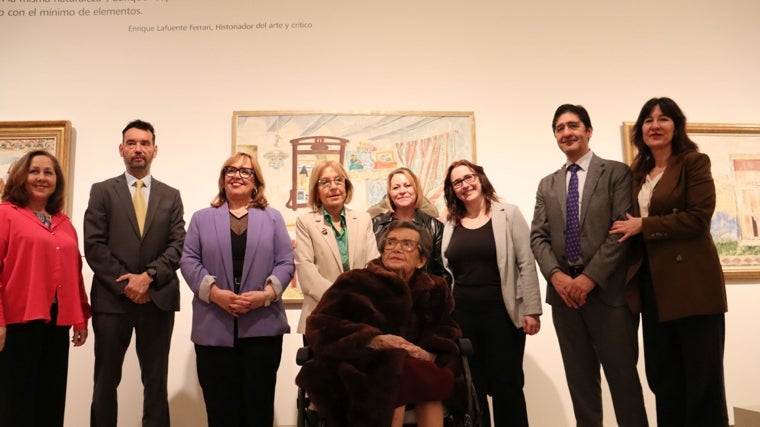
(497, 364)
(33, 370)
(238, 383)
(113, 333)
(684, 365)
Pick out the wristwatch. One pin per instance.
(151, 272)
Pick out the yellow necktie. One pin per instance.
(140, 209)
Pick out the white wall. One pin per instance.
(511, 63)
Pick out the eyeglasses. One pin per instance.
(406, 244)
(467, 179)
(245, 173)
(326, 182)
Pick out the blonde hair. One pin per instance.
(415, 184)
(258, 200)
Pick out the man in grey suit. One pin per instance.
(587, 294)
(134, 253)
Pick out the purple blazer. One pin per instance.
(208, 252)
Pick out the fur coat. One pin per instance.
(352, 384)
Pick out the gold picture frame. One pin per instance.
(369, 144)
(734, 151)
(54, 136)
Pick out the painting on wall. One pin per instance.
(287, 145)
(734, 151)
(18, 138)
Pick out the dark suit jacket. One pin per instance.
(606, 198)
(113, 246)
(684, 263)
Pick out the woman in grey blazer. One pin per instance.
(486, 249)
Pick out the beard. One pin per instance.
(138, 163)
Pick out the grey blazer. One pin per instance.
(606, 198)
(113, 245)
(517, 268)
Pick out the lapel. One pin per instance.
(352, 220)
(55, 221)
(153, 202)
(560, 188)
(124, 197)
(499, 226)
(222, 229)
(662, 195)
(328, 237)
(253, 239)
(596, 168)
(635, 209)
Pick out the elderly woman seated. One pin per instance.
(383, 337)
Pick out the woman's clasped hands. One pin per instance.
(237, 304)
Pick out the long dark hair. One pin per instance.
(644, 162)
(15, 188)
(456, 208)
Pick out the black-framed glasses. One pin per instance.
(467, 179)
(326, 182)
(407, 245)
(231, 171)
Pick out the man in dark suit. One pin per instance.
(133, 249)
(593, 322)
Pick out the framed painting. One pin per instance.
(287, 145)
(18, 138)
(734, 151)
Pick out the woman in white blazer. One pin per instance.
(331, 238)
(486, 249)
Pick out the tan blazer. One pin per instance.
(686, 272)
(317, 256)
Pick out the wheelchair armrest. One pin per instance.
(465, 347)
(303, 355)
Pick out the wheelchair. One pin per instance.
(309, 417)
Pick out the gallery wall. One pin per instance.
(187, 65)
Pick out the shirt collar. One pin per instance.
(328, 218)
(583, 162)
(131, 180)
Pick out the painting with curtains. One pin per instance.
(287, 145)
(369, 145)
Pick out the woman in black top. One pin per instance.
(486, 248)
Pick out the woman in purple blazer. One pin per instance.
(237, 258)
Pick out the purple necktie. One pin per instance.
(573, 230)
